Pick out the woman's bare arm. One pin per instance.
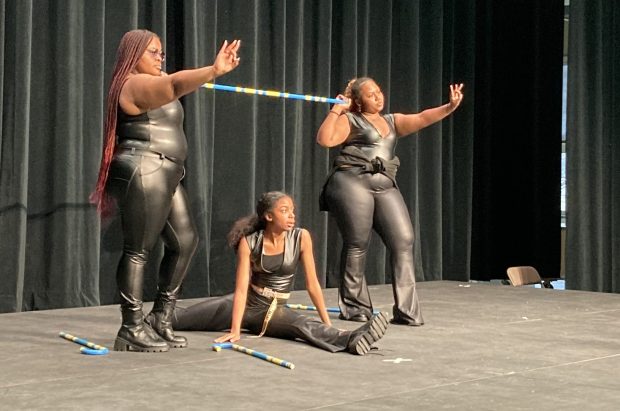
(312, 282)
(143, 92)
(410, 123)
(242, 283)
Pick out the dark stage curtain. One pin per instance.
(593, 147)
(517, 148)
(56, 61)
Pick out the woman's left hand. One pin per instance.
(227, 59)
(456, 95)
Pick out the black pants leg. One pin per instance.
(144, 188)
(212, 314)
(215, 314)
(393, 224)
(290, 325)
(351, 201)
(361, 202)
(180, 242)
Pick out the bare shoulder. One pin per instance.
(244, 247)
(306, 238)
(132, 83)
(135, 80)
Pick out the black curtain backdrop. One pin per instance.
(593, 147)
(482, 187)
(517, 147)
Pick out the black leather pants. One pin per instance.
(215, 314)
(361, 202)
(152, 205)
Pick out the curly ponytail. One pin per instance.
(253, 222)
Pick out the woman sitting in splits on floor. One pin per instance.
(269, 247)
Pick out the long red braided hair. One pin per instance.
(130, 50)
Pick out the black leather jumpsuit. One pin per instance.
(276, 273)
(362, 194)
(144, 177)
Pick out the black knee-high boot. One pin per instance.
(180, 247)
(160, 318)
(134, 334)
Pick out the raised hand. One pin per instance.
(227, 59)
(456, 95)
(341, 107)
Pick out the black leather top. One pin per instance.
(159, 130)
(280, 280)
(365, 136)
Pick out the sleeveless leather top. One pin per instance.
(365, 151)
(365, 136)
(159, 130)
(280, 280)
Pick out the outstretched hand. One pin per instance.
(232, 337)
(227, 59)
(456, 95)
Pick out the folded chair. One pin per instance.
(526, 275)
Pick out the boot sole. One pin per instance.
(177, 345)
(377, 329)
(123, 345)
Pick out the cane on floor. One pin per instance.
(230, 346)
(88, 348)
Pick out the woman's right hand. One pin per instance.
(341, 107)
(335, 129)
(230, 337)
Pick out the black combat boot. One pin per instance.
(136, 335)
(365, 336)
(160, 318)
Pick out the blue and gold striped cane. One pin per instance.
(272, 93)
(254, 353)
(89, 347)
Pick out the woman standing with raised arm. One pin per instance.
(362, 194)
(141, 169)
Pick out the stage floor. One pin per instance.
(484, 347)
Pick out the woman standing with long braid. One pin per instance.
(362, 194)
(141, 168)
